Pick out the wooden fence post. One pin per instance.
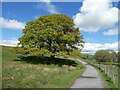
(105, 68)
(108, 70)
(102, 67)
(113, 74)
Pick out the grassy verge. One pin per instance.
(36, 72)
(107, 82)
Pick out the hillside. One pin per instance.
(37, 72)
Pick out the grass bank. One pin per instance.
(107, 82)
(37, 72)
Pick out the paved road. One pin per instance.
(89, 79)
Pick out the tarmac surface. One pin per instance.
(89, 79)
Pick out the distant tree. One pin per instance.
(113, 55)
(53, 35)
(102, 56)
(118, 56)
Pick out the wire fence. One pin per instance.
(111, 69)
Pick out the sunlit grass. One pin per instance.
(107, 81)
(31, 72)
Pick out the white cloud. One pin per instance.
(12, 42)
(47, 1)
(11, 24)
(114, 0)
(90, 48)
(95, 14)
(93, 47)
(51, 8)
(48, 6)
(111, 32)
(36, 17)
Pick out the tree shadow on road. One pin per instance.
(46, 60)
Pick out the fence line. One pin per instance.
(110, 69)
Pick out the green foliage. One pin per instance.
(34, 72)
(102, 56)
(113, 56)
(76, 54)
(108, 83)
(51, 34)
(64, 54)
(118, 55)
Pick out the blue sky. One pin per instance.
(25, 12)
(97, 33)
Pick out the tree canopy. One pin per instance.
(105, 55)
(76, 54)
(53, 35)
(102, 55)
(113, 55)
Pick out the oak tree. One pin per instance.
(54, 35)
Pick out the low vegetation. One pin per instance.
(106, 56)
(38, 72)
(107, 81)
(108, 64)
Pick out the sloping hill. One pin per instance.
(36, 72)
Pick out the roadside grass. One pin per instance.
(38, 72)
(111, 69)
(116, 68)
(116, 73)
(107, 81)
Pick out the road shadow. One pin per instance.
(46, 60)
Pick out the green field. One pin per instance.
(37, 72)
